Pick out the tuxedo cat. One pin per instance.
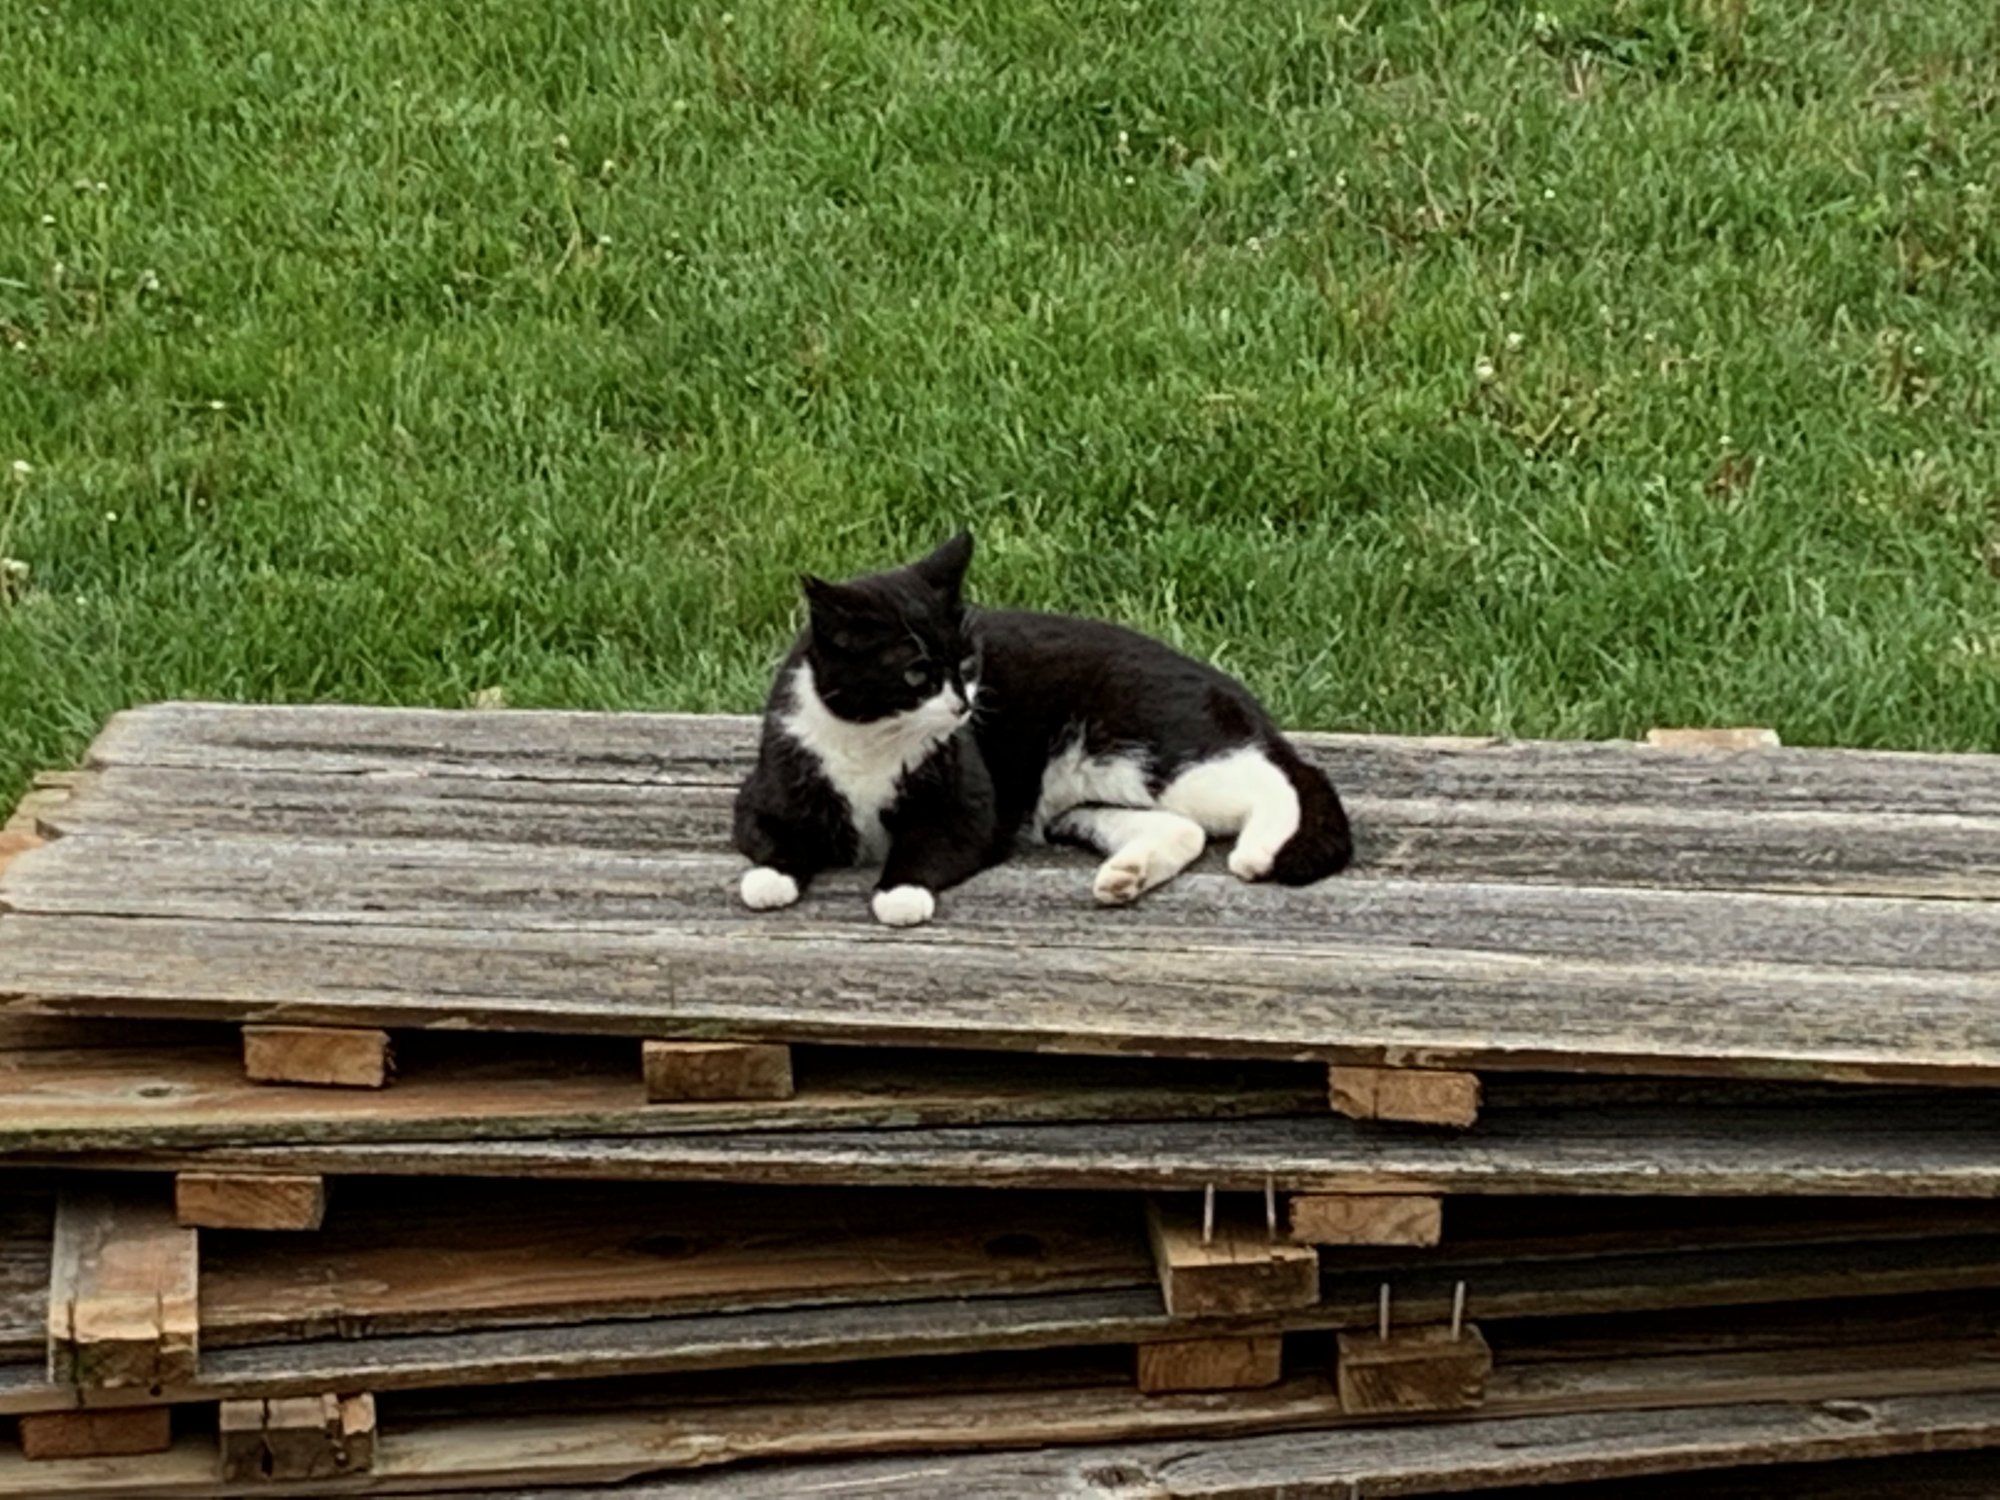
(905, 729)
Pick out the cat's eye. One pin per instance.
(916, 677)
(968, 666)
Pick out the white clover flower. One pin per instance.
(1516, 340)
(1485, 371)
(22, 468)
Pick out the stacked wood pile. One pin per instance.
(397, 1102)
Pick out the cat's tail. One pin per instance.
(1323, 844)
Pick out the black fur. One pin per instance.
(1042, 681)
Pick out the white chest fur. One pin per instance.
(866, 763)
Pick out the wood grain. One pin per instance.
(456, 1256)
(96, 1434)
(677, 1072)
(1129, 1446)
(323, 1056)
(249, 1200)
(1228, 1268)
(1410, 1096)
(107, 1098)
(1413, 1370)
(1907, 1146)
(122, 1291)
(717, 750)
(1797, 846)
(745, 981)
(1247, 1363)
(364, 879)
(1365, 1219)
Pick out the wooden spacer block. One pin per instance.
(1229, 1364)
(1414, 1369)
(1416, 1096)
(1713, 739)
(330, 1056)
(123, 1292)
(1240, 1270)
(295, 1437)
(1365, 1219)
(97, 1434)
(680, 1072)
(250, 1200)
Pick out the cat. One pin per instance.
(907, 730)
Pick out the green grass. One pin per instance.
(533, 345)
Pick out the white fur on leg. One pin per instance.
(766, 889)
(904, 906)
(1147, 847)
(1244, 794)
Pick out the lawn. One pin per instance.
(1438, 367)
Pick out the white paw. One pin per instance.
(766, 889)
(1121, 879)
(1251, 864)
(905, 906)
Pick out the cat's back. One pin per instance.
(1054, 678)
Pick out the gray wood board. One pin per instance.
(1656, 843)
(717, 750)
(1333, 1001)
(563, 888)
(1904, 1146)
(511, 1459)
(481, 1087)
(929, 1327)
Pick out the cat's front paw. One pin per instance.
(904, 906)
(766, 889)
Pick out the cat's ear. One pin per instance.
(945, 568)
(826, 600)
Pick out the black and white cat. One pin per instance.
(907, 730)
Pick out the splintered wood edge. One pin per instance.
(1712, 739)
(22, 829)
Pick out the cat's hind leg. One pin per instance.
(1242, 793)
(1147, 847)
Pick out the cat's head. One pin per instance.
(897, 643)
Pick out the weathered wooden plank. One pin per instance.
(677, 1072)
(473, 1088)
(352, 1057)
(838, 1332)
(423, 883)
(1179, 1448)
(96, 1434)
(1226, 1266)
(761, 982)
(529, 745)
(250, 1200)
(506, 744)
(456, 1256)
(1897, 1147)
(1664, 844)
(122, 1306)
(1709, 741)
